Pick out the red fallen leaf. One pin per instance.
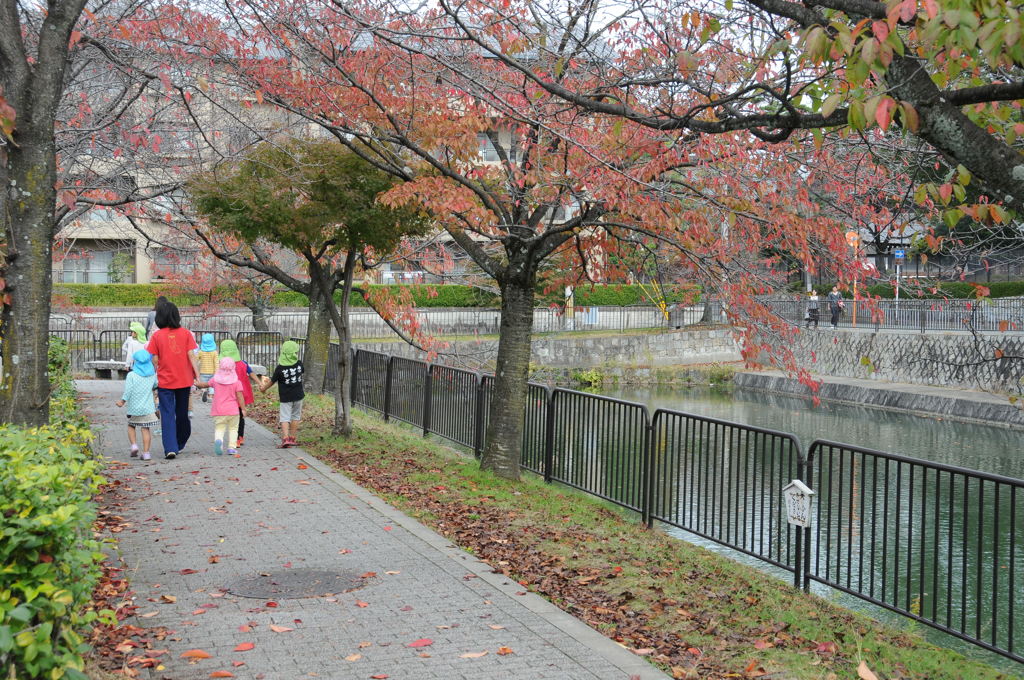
(369, 574)
(195, 654)
(299, 621)
(244, 647)
(222, 674)
(694, 651)
(827, 648)
(273, 468)
(186, 572)
(236, 664)
(280, 629)
(270, 604)
(244, 628)
(387, 528)
(617, 570)
(504, 651)
(198, 612)
(422, 642)
(379, 676)
(287, 565)
(360, 603)
(406, 608)
(46, 558)
(301, 466)
(762, 644)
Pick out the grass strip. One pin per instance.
(692, 612)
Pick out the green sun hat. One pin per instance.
(228, 348)
(289, 353)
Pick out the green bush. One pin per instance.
(946, 289)
(117, 294)
(48, 556)
(609, 295)
(423, 295)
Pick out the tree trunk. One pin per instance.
(259, 319)
(343, 385)
(24, 325)
(504, 439)
(318, 339)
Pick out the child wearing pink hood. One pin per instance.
(228, 405)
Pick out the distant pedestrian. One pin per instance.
(138, 396)
(228, 406)
(208, 360)
(228, 348)
(177, 370)
(835, 305)
(813, 308)
(288, 376)
(135, 341)
(151, 316)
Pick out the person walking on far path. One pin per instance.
(288, 376)
(177, 370)
(835, 305)
(135, 341)
(813, 308)
(151, 316)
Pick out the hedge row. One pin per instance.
(143, 295)
(946, 289)
(48, 556)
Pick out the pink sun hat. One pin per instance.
(225, 374)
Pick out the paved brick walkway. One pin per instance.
(202, 522)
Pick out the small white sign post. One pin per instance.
(797, 497)
(798, 503)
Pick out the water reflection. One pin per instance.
(978, 447)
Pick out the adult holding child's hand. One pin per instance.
(177, 370)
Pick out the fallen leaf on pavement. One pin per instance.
(473, 655)
(503, 651)
(353, 657)
(195, 654)
(280, 629)
(422, 642)
(222, 674)
(244, 647)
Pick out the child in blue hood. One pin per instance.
(138, 395)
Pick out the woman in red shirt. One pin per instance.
(177, 369)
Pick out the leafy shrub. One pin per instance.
(423, 295)
(116, 294)
(49, 557)
(609, 295)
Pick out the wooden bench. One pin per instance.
(104, 369)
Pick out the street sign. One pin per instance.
(900, 254)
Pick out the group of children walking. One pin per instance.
(224, 378)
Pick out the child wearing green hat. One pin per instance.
(228, 348)
(288, 376)
(138, 395)
(135, 341)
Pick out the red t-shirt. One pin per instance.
(242, 370)
(171, 347)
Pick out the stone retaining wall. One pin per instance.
(990, 361)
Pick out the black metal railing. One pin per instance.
(1004, 315)
(934, 542)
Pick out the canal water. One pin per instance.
(949, 581)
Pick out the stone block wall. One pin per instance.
(990, 361)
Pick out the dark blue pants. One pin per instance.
(175, 426)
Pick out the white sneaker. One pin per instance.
(145, 455)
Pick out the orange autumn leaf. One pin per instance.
(422, 642)
(280, 629)
(222, 674)
(360, 603)
(504, 651)
(195, 654)
(244, 647)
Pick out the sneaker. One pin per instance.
(134, 453)
(232, 452)
(205, 396)
(190, 414)
(292, 442)
(218, 447)
(145, 455)
(285, 443)
(241, 440)
(171, 455)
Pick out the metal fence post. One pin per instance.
(389, 373)
(428, 383)
(647, 510)
(549, 435)
(478, 418)
(354, 375)
(798, 563)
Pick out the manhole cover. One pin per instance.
(296, 583)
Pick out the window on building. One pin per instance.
(170, 261)
(88, 266)
(487, 151)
